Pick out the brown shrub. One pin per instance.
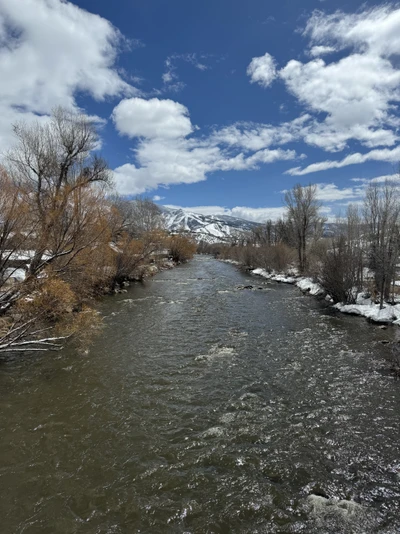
(181, 248)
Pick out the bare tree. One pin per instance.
(303, 212)
(138, 216)
(139, 235)
(284, 232)
(16, 231)
(382, 215)
(342, 268)
(54, 163)
(263, 234)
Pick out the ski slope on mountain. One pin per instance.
(208, 228)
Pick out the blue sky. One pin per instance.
(215, 105)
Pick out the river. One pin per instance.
(204, 408)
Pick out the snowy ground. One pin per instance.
(305, 284)
(233, 262)
(389, 314)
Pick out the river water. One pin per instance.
(203, 408)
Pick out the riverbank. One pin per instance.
(363, 307)
(146, 271)
(63, 311)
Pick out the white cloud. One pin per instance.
(256, 136)
(357, 92)
(262, 70)
(258, 214)
(387, 178)
(167, 77)
(166, 154)
(375, 30)
(155, 118)
(355, 97)
(384, 154)
(317, 51)
(157, 198)
(332, 193)
(50, 50)
(378, 179)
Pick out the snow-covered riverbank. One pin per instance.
(363, 307)
(304, 283)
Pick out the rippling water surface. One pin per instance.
(203, 408)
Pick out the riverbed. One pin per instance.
(205, 408)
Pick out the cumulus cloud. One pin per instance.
(262, 70)
(355, 94)
(352, 98)
(332, 193)
(50, 50)
(155, 118)
(167, 154)
(358, 91)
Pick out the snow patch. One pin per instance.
(386, 315)
(18, 274)
(305, 284)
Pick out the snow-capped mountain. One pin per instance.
(216, 228)
(208, 228)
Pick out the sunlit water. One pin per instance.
(203, 408)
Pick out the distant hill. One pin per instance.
(208, 228)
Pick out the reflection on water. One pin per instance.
(205, 409)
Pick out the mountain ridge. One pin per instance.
(208, 228)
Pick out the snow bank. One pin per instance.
(284, 279)
(274, 276)
(305, 284)
(25, 255)
(261, 272)
(388, 314)
(17, 274)
(233, 262)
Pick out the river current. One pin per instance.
(205, 408)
